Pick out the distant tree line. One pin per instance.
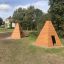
(34, 19)
(30, 18)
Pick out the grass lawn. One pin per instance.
(7, 30)
(22, 52)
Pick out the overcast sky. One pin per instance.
(7, 7)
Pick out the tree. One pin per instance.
(57, 14)
(38, 18)
(29, 18)
(19, 14)
(1, 21)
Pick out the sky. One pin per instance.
(7, 7)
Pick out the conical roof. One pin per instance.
(48, 36)
(17, 32)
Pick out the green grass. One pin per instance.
(7, 30)
(23, 52)
(33, 36)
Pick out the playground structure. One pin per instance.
(17, 32)
(48, 36)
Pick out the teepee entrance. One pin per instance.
(53, 40)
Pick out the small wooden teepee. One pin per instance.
(17, 32)
(48, 36)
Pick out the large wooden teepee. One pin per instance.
(48, 36)
(17, 32)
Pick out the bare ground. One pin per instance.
(22, 52)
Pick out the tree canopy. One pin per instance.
(29, 18)
(57, 14)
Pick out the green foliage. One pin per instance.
(34, 33)
(19, 14)
(57, 14)
(29, 18)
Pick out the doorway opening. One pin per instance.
(53, 40)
